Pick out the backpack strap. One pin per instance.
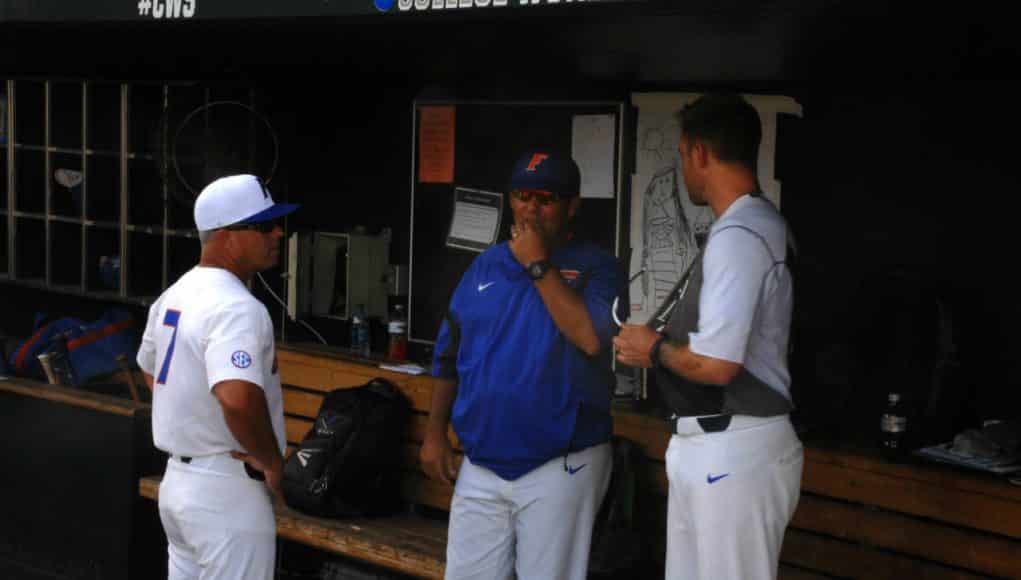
(99, 334)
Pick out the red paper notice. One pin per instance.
(436, 145)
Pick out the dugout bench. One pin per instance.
(859, 516)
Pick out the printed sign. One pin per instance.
(423, 5)
(476, 221)
(163, 9)
(436, 144)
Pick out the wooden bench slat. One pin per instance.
(929, 473)
(296, 429)
(73, 396)
(929, 540)
(418, 393)
(787, 572)
(913, 497)
(149, 486)
(324, 373)
(307, 377)
(854, 560)
(382, 541)
(302, 403)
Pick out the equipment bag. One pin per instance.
(349, 462)
(91, 347)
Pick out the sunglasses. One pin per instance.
(541, 196)
(266, 227)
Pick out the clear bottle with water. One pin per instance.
(893, 427)
(360, 331)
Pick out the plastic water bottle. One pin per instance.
(893, 427)
(398, 331)
(360, 331)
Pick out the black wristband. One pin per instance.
(655, 351)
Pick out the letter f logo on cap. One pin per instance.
(537, 158)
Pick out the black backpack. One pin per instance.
(349, 462)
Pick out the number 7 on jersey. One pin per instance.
(171, 318)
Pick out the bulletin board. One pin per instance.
(474, 144)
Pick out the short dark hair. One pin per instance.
(727, 124)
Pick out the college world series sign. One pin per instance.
(436, 5)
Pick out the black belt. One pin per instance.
(713, 424)
(251, 471)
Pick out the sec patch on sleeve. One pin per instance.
(241, 359)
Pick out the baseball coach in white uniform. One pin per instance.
(217, 409)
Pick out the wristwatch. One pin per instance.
(538, 269)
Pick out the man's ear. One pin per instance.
(699, 154)
(572, 206)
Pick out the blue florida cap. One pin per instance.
(547, 171)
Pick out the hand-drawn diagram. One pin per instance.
(668, 240)
(666, 227)
(655, 142)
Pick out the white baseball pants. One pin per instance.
(732, 494)
(219, 522)
(538, 526)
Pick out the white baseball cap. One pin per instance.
(237, 199)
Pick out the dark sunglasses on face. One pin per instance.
(542, 197)
(261, 227)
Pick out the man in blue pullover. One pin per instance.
(524, 354)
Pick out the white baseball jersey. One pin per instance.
(745, 310)
(205, 329)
